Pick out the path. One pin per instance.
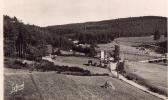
(121, 77)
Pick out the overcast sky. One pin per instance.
(55, 12)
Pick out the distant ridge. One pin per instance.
(157, 17)
(131, 26)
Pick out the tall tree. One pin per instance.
(156, 35)
(20, 42)
(117, 53)
(92, 51)
(165, 35)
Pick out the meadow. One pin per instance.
(153, 76)
(52, 86)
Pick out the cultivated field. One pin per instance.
(52, 86)
(153, 76)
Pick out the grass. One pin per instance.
(16, 66)
(135, 57)
(145, 83)
(128, 50)
(153, 76)
(81, 63)
(52, 86)
(28, 93)
(136, 40)
(49, 66)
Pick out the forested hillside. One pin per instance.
(29, 39)
(104, 31)
(32, 40)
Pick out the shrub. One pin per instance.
(90, 62)
(45, 66)
(15, 64)
(95, 64)
(120, 67)
(18, 62)
(49, 66)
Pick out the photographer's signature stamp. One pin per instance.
(17, 87)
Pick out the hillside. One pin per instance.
(52, 86)
(124, 27)
(30, 39)
(34, 38)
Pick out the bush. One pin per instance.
(90, 62)
(49, 66)
(120, 67)
(45, 66)
(18, 62)
(15, 64)
(95, 64)
(104, 74)
(58, 52)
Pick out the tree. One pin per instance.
(92, 51)
(165, 35)
(58, 52)
(117, 57)
(36, 53)
(117, 53)
(15, 19)
(156, 35)
(20, 42)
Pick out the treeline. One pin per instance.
(163, 47)
(90, 38)
(88, 51)
(124, 27)
(23, 39)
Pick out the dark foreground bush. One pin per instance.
(49, 66)
(13, 63)
(18, 62)
(105, 74)
(120, 67)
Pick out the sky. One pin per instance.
(56, 12)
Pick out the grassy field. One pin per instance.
(80, 62)
(135, 57)
(127, 51)
(29, 92)
(153, 76)
(52, 86)
(137, 40)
